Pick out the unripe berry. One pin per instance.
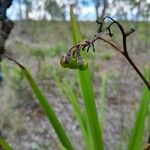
(82, 64)
(63, 62)
(73, 63)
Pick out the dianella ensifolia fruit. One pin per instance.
(73, 62)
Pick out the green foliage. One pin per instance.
(86, 115)
(67, 91)
(135, 142)
(4, 145)
(48, 111)
(87, 92)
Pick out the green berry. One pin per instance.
(82, 64)
(73, 63)
(63, 63)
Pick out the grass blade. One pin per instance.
(87, 91)
(137, 134)
(4, 145)
(49, 111)
(68, 92)
(45, 106)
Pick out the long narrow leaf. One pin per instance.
(68, 92)
(87, 91)
(49, 111)
(138, 130)
(45, 106)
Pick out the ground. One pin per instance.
(39, 45)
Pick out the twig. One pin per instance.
(12, 59)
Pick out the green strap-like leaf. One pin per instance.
(80, 116)
(138, 130)
(49, 111)
(87, 92)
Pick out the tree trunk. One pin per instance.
(104, 8)
(96, 10)
(97, 4)
(6, 26)
(5, 29)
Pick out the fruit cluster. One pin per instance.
(72, 62)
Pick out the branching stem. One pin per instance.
(129, 60)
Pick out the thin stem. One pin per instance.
(125, 51)
(129, 60)
(115, 46)
(138, 71)
(12, 59)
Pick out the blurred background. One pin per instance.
(85, 9)
(41, 35)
